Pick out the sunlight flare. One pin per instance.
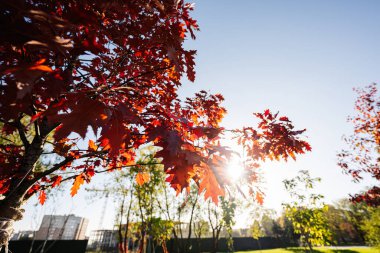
(235, 169)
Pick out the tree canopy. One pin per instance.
(113, 68)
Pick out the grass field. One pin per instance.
(316, 250)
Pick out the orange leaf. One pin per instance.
(92, 146)
(42, 197)
(103, 116)
(210, 185)
(79, 180)
(41, 68)
(259, 198)
(142, 178)
(291, 153)
(40, 61)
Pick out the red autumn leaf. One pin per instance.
(89, 172)
(4, 186)
(114, 134)
(156, 122)
(42, 197)
(83, 113)
(283, 118)
(56, 181)
(181, 177)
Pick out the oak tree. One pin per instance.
(113, 68)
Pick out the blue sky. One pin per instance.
(301, 58)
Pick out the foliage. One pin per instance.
(305, 211)
(256, 230)
(342, 230)
(101, 79)
(311, 224)
(201, 228)
(345, 221)
(268, 225)
(263, 223)
(184, 210)
(228, 207)
(363, 154)
(156, 210)
(371, 226)
(139, 217)
(287, 229)
(161, 230)
(221, 217)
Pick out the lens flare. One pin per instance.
(235, 169)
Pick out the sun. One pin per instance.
(235, 169)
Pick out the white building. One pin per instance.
(102, 239)
(62, 227)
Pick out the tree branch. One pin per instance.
(20, 128)
(126, 166)
(55, 168)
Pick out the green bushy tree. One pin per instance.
(306, 211)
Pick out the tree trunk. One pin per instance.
(309, 243)
(10, 211)
(10, 206)
(310, 247)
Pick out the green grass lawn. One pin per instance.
(316, 250)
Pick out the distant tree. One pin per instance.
(221, 217)
(228, 206)
(137, 193)
(277, 229)
(182, 210)
(265, 218)
(363, 153)
(161, 232)
(267, 224)
(256, 232)
(356, 213)
(352, 222)
(306, 212)
(148, 186)
(288, 234)
(345, 220)
(341, 229)
(201, 229)
(371, 227)
(263, 221)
